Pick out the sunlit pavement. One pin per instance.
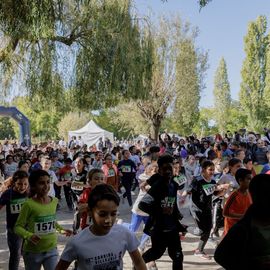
(65, 218)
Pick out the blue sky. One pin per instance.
(222, 24)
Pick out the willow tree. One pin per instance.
(96, 48)
(168, 84)
(252, 92)
(222, 96)
(166, 39)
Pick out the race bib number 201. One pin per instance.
(45, 225)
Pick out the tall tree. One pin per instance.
(191, 65)
(222, 96)
(166, 42)
(267, 86)
(96, 48)
(253, 72)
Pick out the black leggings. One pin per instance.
(127, 184)
(204, 223)
(161, 241)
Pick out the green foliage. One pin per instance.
(108, 119)
(129, 120)
(206, 125)
(252, 93)
(43, 118)
(176, 74)
(191, 65)
(222, 96)
(72, 121)
(6, 129)
(236, 119)
(95, 48)
(203, 3)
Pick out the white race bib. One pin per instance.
(180, 180)
(209, 189)
(45, 225)
(77, 185)
(111, 173)
(16, 205)
(126, 169)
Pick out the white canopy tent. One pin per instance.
(91, 133)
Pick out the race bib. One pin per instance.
(180, 180)
(111, 173)
(45, 225)
(77, 185)
(209, 189)
(16, 205)
(126, 169)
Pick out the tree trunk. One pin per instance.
(155, 127)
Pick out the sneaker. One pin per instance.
(119, 221)
(133, 193)
(202, 255)
(152, 266)
(119, 194)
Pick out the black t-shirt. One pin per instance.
(13, 201)
(165, 197)
(78, 182)
(202, 192)
(128, 168)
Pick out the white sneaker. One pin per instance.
(133, 193)
(119, 221)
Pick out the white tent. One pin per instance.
(91, 133)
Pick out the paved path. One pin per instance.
(65, 219)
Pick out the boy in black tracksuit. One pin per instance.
(163, 224)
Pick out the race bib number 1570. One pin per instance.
(45, 225)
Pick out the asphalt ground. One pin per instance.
(65, 218)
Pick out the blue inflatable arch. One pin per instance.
(22, 120)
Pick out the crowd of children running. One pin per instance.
(223, 181)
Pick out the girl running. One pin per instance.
(37, 224)
(110, 241)
(202, 189)
(228, 180)
(111, 172)
(94, 177)
(13, 199)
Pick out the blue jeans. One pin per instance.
(134, 225)
(34, 261)
(15, 249)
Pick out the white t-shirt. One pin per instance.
(135, 159)
(53, 179)
(228, 179)
(94, 252)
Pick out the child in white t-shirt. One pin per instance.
(103, 244)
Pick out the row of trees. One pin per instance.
(252, 110)
(72, 57)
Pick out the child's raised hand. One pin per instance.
(34, 239)
(67, 232)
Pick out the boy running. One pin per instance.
(239, 201)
